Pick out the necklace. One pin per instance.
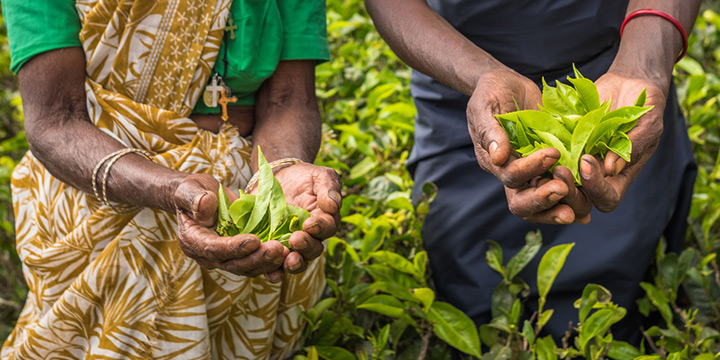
(217, 92)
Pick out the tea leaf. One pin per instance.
(525, 255)
(333, 353)
(278, 206)
(384, 304)
(621, 145)
(588, 92)
(549, 267)
(584, 129)
(262, 202)
(454, 327)
(642, 99)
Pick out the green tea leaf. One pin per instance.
(621, 350)
(588, 92)
(426, 297)
(565, 157)
(621, 145)
(277, 207)
(455, 328)
(262, 202)
(533, 241)
(333, 353)
(552, 101)
(659, 300)
(549, 267)
(584, 129)
(539, 121)
(240, 210)
(642, 98)
(545, 348)
(384, 304)
(494, 257)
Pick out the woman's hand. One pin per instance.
(317, 190)
(196, 206)
(605, 184)
(552, 201)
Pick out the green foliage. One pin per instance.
(572, 120)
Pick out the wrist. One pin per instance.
(648, 50)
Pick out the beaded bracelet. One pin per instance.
(665, 16)
(274, 164)
(102, 196)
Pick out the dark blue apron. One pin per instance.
(541, 38)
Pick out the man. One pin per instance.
(476, 59)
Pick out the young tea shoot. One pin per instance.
(266, 214)
(573, 120)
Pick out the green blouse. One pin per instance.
(267, 31)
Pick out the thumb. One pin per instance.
(199, 203)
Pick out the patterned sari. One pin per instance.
(104, 285)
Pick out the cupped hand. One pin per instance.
(606, 181)
(317, 190)
(529, 195)
(196, 205)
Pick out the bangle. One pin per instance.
(274, 164)
(101, 196)
(665, 16)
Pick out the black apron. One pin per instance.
(541, 38)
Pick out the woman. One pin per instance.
(116, 201)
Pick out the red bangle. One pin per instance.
(665, 16)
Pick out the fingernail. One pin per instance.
(302, 245)
(549, 161)
(196, 202)
(248, 245)
(585, 169)
(555, 197)
(491, 149)
(295, 267)
(617, 167)
(335, 196)
(269, 257)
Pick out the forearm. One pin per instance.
(288, 123)
(429, 44)
(650, 44)
(64, 140)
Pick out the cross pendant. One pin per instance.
(210, 97)
(224, 100)
(231, 27)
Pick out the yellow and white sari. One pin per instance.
(104, 285)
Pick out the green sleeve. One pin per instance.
(36, 26)
(304, 30)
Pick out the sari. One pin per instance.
(107, 285)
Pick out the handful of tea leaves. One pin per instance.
(572, 120)
(266, 214)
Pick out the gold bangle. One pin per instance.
(97, 169)
(274, 164)
(126, 209)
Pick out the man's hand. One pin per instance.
(317, 190)
(605, 184)
(196, 205)
(531, 197)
